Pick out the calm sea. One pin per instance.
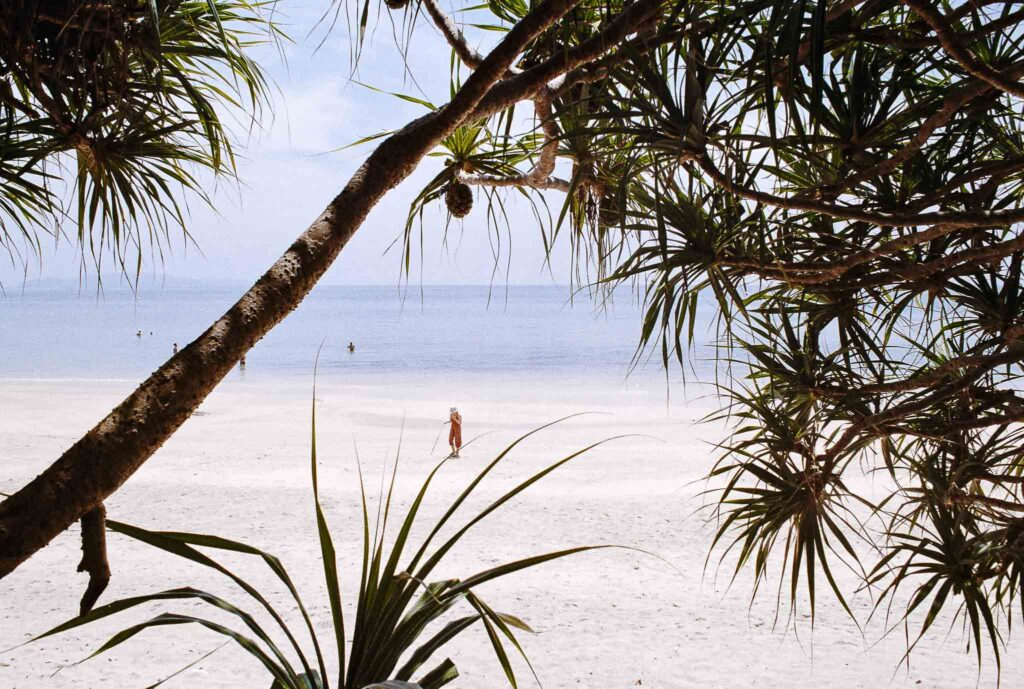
(58, 332)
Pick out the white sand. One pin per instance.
(611, 619)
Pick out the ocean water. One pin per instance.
(57, 331)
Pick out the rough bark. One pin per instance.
(453, 35)
(540, 176)
(94, 556)
(101, 461)
(561, 68)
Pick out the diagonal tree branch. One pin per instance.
(892, 219)
(540, 176)
(951, 105)
(102, 460)
(453, 35)
(552, 73)
(952, 44)
(545, 81)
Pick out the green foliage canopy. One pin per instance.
(124, 102)
(841, 179)
(842, 182)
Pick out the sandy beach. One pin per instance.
(550, 214)
(240, 468)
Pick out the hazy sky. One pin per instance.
(288, 177)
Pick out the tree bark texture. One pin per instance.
(94, 556)
(102, 460)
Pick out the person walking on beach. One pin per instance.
(455, 433)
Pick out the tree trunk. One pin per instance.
(102, 460)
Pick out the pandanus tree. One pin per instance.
(111, 111)
(840, 180)
(112, 115)
(841, 183)
(95, 466)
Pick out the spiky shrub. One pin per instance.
(842, 181)
(395, 604)
(130, 97)
(848, 208)
(841, 184)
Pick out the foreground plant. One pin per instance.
(395, 603)
(840, 181)
(93, 469)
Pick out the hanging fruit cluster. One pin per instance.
(459, 198)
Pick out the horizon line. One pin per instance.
(117, 282)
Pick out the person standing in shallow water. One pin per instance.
(455, 433)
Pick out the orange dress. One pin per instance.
(455, 433)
